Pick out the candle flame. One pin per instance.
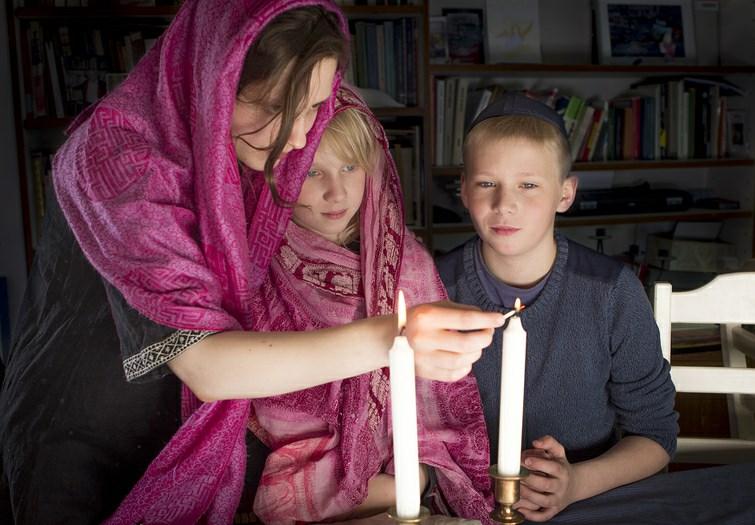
(401, 311)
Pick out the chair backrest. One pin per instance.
(728, 300)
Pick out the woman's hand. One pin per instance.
(448, 338)
(550, 486)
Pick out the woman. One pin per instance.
(159, 252)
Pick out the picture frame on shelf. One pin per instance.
(645, 31)
(438, 40)
(736, 133)
(513, 31)
(464, 29)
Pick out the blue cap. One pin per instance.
(518, 104)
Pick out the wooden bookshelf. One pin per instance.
(588, 69)
(620, 165)
(634, 218)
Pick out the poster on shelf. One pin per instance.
(645, 32)
(513, 31)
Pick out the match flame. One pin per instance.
(518, 305)
(401, 311)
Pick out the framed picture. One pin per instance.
(736, 122)
(645, 31)
(464, 35)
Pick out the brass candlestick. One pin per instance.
(506, 494)
(424, 513)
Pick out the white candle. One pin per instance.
(404, 416)
(513, 354)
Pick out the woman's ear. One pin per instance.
(568, 193)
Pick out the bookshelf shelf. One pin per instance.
(453, 171)
(590, 69)
(600, 220)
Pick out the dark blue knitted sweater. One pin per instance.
(594, 367)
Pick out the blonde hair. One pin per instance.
(350, 137)
(533, 129)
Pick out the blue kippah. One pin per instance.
(518, 104)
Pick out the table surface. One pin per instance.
(722, 495)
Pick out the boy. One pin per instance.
(598, 401)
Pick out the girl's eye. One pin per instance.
(348, 168)
(312, 173)
(529, 185)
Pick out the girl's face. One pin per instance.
(255, 125)
(331, 195)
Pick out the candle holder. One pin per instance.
(506, 494)
(424, 513)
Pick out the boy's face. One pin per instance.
(512, 189)
(330, 196)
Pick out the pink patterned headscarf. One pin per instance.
(150, 185)
(327, 442)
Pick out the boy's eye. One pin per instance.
(485, 184)
(529, 185)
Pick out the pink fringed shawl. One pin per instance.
(328, 441)
(150, 184)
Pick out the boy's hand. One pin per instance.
(549, 487)
(448, 338)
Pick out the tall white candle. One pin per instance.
(513, 354)
(404, 416)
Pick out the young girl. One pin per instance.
(344, 257)
(172, 195)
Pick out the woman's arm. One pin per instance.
(236, 365)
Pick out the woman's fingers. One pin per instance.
(448, 338)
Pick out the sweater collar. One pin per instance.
(547, 295)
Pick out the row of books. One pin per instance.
(659, 118)
(384, 58)
(406, 149)
(69, 67)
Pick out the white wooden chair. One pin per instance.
(728, 300)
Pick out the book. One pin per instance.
(440, 120)
(449, 110)
(459, 120)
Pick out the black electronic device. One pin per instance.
(631, 199)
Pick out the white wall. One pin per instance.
(12, 263)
